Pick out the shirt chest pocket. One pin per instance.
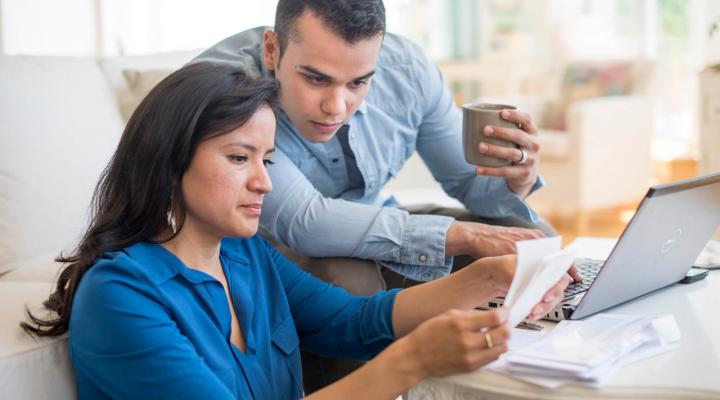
(317, 175)
(286, 342)
(402, 149)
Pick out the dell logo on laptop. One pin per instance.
(671, 242)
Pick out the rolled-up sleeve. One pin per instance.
(297, 215)
(332, 322)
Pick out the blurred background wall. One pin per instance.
(551, 55)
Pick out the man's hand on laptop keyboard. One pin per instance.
(482, 240)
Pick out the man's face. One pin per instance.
(323, 78)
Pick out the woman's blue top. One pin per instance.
(144, 325)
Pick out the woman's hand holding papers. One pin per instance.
(438, 332)
(450, 342)
(456, 341)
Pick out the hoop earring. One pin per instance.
(171, 221)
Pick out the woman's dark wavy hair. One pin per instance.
(141, 184)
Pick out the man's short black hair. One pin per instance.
(353, 20)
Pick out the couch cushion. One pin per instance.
(31, 368)
(59, 124)
(38, 269)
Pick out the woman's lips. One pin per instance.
(325, 128)
(252, 209)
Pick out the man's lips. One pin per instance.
(326, 128)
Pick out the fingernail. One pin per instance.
(506, 114)
(483, 147)
(479, 170)
(488, 130)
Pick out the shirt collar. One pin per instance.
(164, 265)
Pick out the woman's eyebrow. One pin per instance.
(247, 146)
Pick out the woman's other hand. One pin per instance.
(458, 341)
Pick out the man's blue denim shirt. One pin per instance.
(313, 207)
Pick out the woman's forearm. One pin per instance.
(455, 341)
(391, 373)
(464, 289)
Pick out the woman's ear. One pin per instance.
(271, 50)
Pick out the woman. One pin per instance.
(170, 294)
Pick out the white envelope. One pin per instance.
(540, 266)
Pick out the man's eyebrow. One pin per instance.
(314, 71)
(247, 146)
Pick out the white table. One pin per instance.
(690, 372)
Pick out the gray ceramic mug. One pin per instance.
(475, 117)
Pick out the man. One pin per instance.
(356, 103)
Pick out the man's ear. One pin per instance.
(271, 50)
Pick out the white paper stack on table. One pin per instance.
(586, 351)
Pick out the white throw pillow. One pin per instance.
(60, 125)
(131, 77)
(139, 85)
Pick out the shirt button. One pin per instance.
(371, 185)
(334, 160)
(422, 258)
(352, 136)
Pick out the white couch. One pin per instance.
(60, 120)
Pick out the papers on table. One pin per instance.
(540, 265)
(587, 351)
(709, 258)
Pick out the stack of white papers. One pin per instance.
(588, 351)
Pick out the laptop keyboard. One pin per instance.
(589, 269)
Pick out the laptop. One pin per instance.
(672, 225)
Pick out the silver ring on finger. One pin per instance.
(523, 157)
(488, 340)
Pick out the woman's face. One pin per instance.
(227, 179)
